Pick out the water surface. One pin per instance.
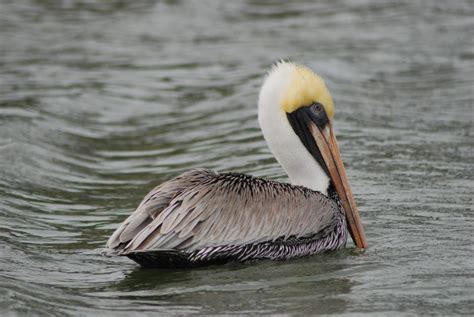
(101, 101)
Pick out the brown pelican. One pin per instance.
(203, 217)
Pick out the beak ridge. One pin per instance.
(326, 141)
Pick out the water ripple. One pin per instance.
(99, 102)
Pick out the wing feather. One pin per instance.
(203, 209)
(150, 207)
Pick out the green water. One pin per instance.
(101, 101)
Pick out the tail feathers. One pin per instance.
(109, 253)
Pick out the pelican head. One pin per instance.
(296, 114)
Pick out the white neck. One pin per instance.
(299, 164)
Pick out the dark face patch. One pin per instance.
(299, 120)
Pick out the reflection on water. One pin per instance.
(101, 101)
(257, 287)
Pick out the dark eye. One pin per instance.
(318, 107)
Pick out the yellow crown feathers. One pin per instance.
(305, 88)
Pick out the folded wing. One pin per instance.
(201, 209)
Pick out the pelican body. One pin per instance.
(203, 217)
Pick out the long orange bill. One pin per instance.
(326, 142)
